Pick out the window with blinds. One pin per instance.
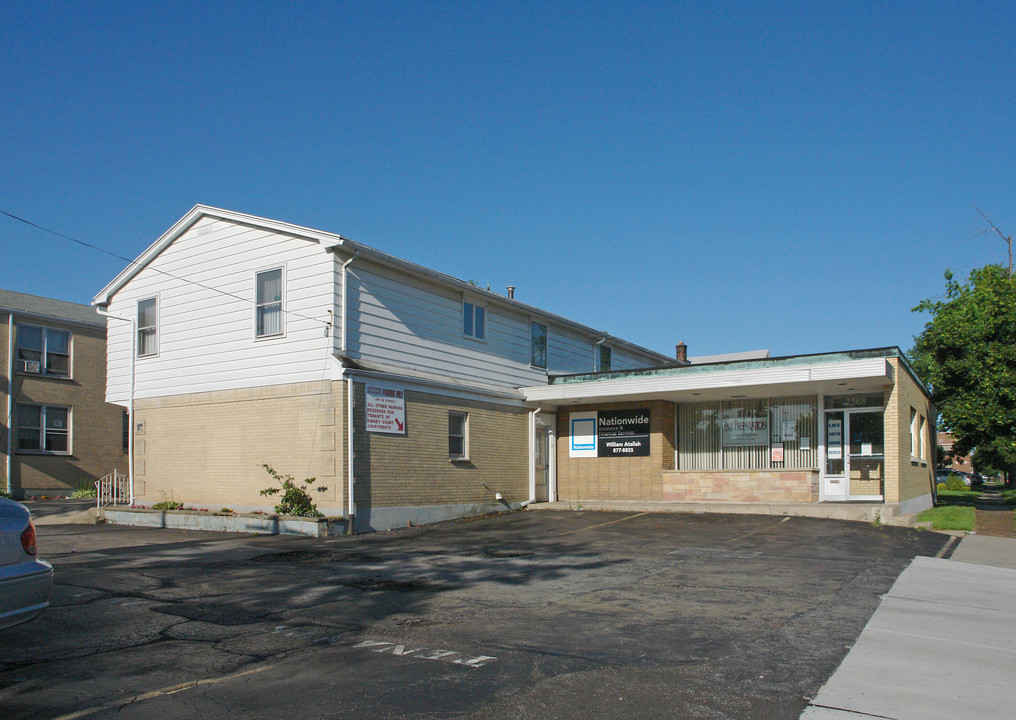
(268, 314)
(756, 434)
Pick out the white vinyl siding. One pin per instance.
(205, 326)
(398, 321)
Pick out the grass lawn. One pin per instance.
(1009, 496)
(958, 497)
(949, 517)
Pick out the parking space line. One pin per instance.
(590, 527)
(756, 531)
(158, 693)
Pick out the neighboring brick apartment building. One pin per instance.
(58, 433)
(412, 396)
(963, 463)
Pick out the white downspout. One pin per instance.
(345, 300)
(350, 508)
(532, 456)
(350, 504)
(130, 404)
(10, 399)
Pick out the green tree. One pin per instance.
(967, 355)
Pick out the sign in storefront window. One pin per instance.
(609, 433)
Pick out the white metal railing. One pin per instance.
(113, 489)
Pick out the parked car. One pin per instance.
(943, 474)
(25, 580)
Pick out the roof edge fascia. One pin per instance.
(195, 214)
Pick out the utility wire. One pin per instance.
(130, 262)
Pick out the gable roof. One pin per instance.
(335, 241)
(43, 307)
(185, 223)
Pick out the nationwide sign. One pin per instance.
(386, 409)
(609, 433)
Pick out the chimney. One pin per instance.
(511, 292)
(681, 352)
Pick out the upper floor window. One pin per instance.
(43, 428)
(474, 320)
(603, 358)
(148, 327)
(268, 313)
(538, 345)
(44, 351)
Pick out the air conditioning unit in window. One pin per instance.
(29, 366)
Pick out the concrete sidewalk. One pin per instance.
(942, 644)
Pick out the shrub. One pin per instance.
(940, 487)
(295, 499)
(167, 505)
(83, 492)
(955, 482)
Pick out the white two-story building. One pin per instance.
(242, 341)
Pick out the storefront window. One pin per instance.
(764, 434)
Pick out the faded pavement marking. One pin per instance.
(450, 656)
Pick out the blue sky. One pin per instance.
(791, 176)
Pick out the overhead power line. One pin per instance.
(130, 262)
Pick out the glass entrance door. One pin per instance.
(855, 455)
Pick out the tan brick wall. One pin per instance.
(765, 486)
(905, 478)
(617, 478)
(96, 430)
(206, 449)
(414, 469)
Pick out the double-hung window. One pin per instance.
(268, 320)
(474, 320)
(43, 428)
(44, 351)
(458, 437)
(538, 345)
(148, 327)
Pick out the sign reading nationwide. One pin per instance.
(385, 411)
(609, 433)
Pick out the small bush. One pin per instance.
(940, 487)
(225, 510)
(295, 499)
(955, 482)
(167, 505)
(83, 492)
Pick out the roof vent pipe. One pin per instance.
(681, 352)
(511, 292)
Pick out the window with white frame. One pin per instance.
(458, 435)
(268, 314)
(538, 345)
(43, 428)
(148, 327)
(923, 440)
(44, 351)
(914, 442)
(474, 320)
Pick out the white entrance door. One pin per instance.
(855, 460)
(541, 480)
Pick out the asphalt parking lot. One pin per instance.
(528, 615)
